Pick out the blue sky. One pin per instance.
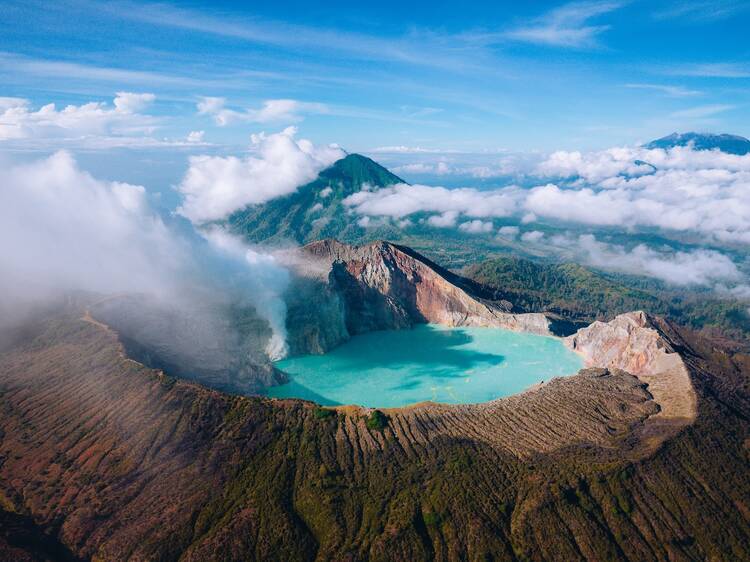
(462, 76)
(514, 120)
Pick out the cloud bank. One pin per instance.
(679, 190)
(699, 196)
(400, 200)
(63, 230)
(123, 118)
(216, 186)
(697, 267)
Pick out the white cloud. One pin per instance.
(444, 220)
(697, 267)
(476, 226)
(706, 192)
(532, 236)
(264, 286)
(566, 26)
(701, 10)
(196, 136)
(10, 103)
(215, 186)
(583, 205)
(96, 124)
(63, 228)
(711, 70)
(18, 120)
(438, 168)
(401, 149)
(701, 111)
(402, 199)
(594, 166)
(673, 91)
(272, 111)
(678, 190)
(211, 105)
(326, 191)
(508, 231)
(600, 165)
(129, 102)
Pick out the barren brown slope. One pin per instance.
(122, 462)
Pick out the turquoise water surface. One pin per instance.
(430, 362)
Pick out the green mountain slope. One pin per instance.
(315, 211)
(580, 294)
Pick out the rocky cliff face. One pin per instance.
(214, 343)
(645, 347)
(385, 286)
(337, 291)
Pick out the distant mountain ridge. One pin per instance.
(315, 210)
(730, 144)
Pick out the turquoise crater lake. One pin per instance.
(453, 365)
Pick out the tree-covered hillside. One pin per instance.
(578, 293)
(315, 210)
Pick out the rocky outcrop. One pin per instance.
(213, 343)
(634, 342)
(316, 314)
(385, 286)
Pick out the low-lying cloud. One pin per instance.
(63, 230)
(696, 267)
(216, 186)
(706, 192)
(402, 199)
(679, 190)
(701, 196)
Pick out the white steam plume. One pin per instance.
(214, 187)
(61, 229)
(268, 283)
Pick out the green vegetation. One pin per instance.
(431, 519)
(167, 381)
(580, 294)
(323, 413)
(377, 420)
(315, 211)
